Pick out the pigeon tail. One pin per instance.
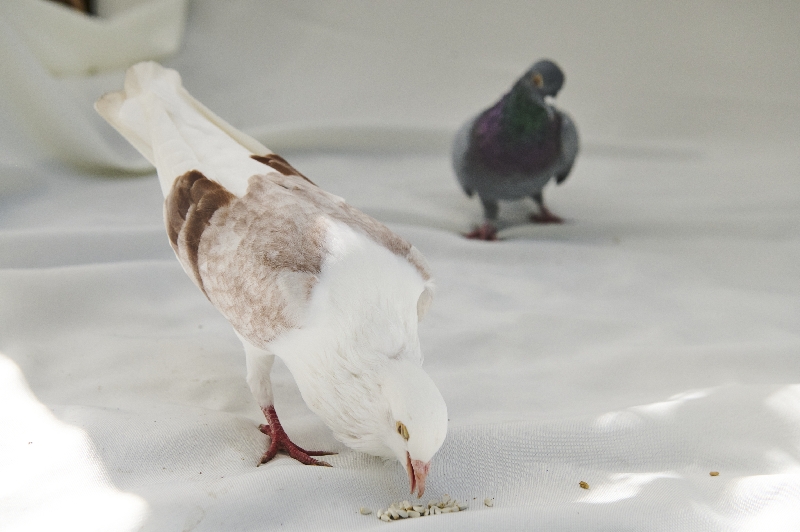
(176, 133)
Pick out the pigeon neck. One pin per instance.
(523, 116)
(518, 135)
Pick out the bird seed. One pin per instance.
(714, 473)
(365, 511)
(405, 510)
(584, 485)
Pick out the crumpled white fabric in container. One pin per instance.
(50, 53)
(123, 32)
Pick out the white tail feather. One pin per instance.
(177, 133)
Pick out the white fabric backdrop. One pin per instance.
(652, 339)
(41, 39)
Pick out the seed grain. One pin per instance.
(405, 510)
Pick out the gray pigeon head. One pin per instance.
(545, 77)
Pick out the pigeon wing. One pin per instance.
(257, 258)
(248, 228)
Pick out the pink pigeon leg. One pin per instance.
(279, 441)
(259, 366)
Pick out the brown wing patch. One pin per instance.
(280, 164)
(261, 256)
(188, 209)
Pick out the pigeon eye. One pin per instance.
(537, 80)
(402, 430)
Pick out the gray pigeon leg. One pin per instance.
(487, 231)
(490, 209)
(545, 216)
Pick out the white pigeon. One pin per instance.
(297, 272)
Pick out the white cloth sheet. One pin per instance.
(652, 339)
(45, 47)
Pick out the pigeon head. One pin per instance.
(417, 423)
(544, 77)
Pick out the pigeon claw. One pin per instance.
(279, 441)
(545, 216)
(486, 232)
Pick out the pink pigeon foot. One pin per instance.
(545, 216)
(279, 441)
(486, 232)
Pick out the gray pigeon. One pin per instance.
(512, 149)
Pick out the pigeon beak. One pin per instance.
(417, 473)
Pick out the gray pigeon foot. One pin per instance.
(546, 217)
(486, 232)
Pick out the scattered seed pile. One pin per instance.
(405, 510)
